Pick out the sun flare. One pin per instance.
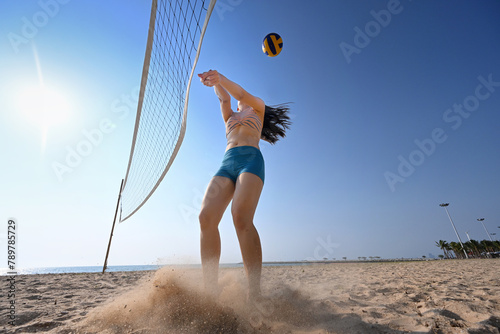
(44, 107)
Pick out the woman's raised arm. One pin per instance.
(222, 94)
(225, 102)
(212, 78)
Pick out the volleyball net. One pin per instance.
(176, 31)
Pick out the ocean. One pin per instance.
(86, 269)
(98, 269)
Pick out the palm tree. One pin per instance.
(475, 246)
(444, 247)
(457, 249)
(448, 250)
(487, 245)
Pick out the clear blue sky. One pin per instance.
(369, 107)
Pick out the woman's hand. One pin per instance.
(210, 78)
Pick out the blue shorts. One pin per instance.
(242, 159)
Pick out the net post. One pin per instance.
(112, 229)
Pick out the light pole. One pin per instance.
(488, 233)
(444, 205)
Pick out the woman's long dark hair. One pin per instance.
(276, 121)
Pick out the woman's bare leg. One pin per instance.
(245, 199)
(217, 197)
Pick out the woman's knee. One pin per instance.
(207, 219)
(241, 220)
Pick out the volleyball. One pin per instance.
(272, 44)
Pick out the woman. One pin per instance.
(240, 178)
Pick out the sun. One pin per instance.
(45, 107)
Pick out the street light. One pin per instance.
(444, 205)
(488, 233)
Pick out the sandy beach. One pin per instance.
(442, 296)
